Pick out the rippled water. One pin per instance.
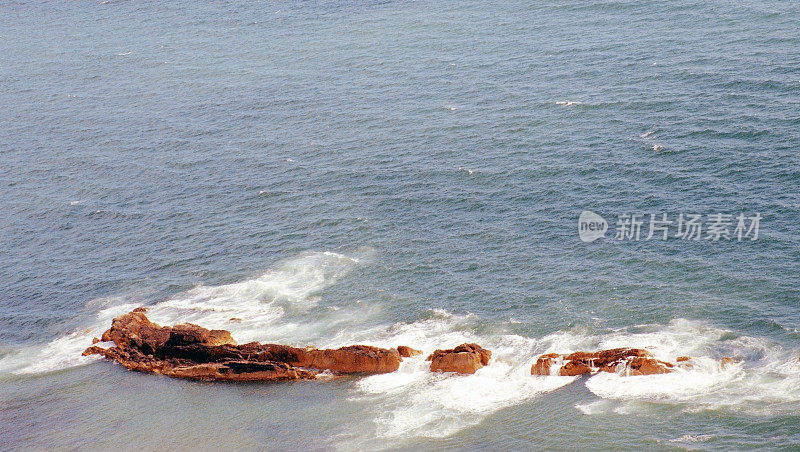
(400, 173)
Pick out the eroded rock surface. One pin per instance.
(191, 351)
(464, 359)
(407, 352)
(629, 361)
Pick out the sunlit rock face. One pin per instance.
(193, 352)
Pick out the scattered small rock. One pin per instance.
(407, 352)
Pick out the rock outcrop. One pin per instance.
(464, 359)
(629, 361)
(194, 352)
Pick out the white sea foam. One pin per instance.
(765, 379)
(596, 406)
(259, 302)
(414, 402)
(62, 352)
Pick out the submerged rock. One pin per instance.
(726, 361)
(407, 352)
(464, 359)
(193, 352)
(630, 361)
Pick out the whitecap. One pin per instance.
(692, 438)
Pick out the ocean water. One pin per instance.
(400, 173)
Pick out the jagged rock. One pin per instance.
(407, 352)
(135, 331)
(191, 351)
(464, 359)
(630, 361)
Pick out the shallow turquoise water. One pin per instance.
(400, 172)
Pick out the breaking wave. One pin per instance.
(414, 402)
(249, 309)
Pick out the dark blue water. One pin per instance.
(387, 172)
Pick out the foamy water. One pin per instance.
(416, 402)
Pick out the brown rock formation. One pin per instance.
(631, 361)
(464, 359)
(407, 352)
(194, 352)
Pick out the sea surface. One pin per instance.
(400, 173)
